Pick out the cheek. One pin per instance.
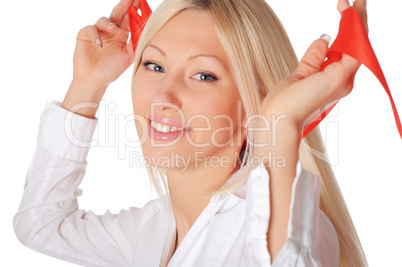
(224, 129)
(140, 95)
(222, 116)
(140, 100)
(229, 123)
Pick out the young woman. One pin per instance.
(217, 90)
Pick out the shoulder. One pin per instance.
(152, 208)
(137, 217)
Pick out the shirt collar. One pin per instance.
(242, 189)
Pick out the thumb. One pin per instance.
(313, 58)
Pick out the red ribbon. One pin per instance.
(137, 22)
(353, 40)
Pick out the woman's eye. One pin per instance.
(204, 77)
(153, 67)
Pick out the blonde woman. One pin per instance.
(217, 90)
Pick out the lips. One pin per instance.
(165, 129)
(166, 121)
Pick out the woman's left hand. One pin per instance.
(296, 97)
(307, 88)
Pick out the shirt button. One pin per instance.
(255, 221)
(256, 181)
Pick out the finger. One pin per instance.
(349, 64)
(313, 58)
(341, 75)
(342, 5)
(361, 7)
(320, 89)
(136, 3)
(90, 34)
(120, 10)
(125, 23)
(105, 24)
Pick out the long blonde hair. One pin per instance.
(260, 54)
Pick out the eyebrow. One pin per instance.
(189, 58)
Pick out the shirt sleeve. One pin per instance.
(49, 220)
(311, 240)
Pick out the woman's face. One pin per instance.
(188, 110)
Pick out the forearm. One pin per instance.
(83, 98)
(283, 143)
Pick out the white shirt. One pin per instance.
(231, 230)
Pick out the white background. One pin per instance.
(37, 45)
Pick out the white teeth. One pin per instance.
(159, 127)
(165, 128)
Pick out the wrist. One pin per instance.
(277, 145)
(83, 97)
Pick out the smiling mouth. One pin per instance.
(163, 128)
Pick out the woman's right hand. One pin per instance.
(101, 56)
(102, 53)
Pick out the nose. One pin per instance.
(167, 97)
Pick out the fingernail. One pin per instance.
(326, 37)
(98, 43)
(111, 24)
